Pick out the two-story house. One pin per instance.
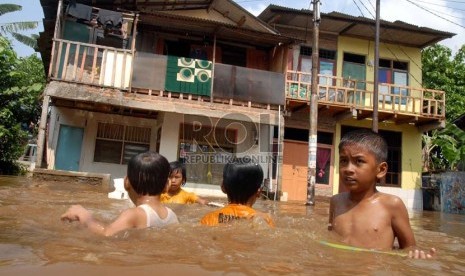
(345, 89)
(201, 81)
(198, 81)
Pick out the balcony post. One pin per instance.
(42, 128)
(213, 68)
(57, 28)
(133, 50)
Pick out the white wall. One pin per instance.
(245, 135)
(89, 120)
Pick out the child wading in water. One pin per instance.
(146, 179)
(176, 194)
(363, 216)
(242, 183)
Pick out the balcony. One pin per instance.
(402, 104)
(158, 75)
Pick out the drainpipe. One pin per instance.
(312, 134)
(41, 135)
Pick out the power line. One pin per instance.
(423, 8)
(367, 9)
(389, 49)
(454, 1)
(436, 4)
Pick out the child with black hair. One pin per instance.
(363, 216)
(147, 178)
(175, 193)
(242, 182)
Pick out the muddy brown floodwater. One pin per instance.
(33, 240)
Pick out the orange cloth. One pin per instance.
(182, 197)
(232, 212)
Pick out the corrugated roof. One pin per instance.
(397, 32)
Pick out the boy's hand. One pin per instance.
(420, 254)
(76, 213)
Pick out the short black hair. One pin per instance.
(241, 179)
(148, 173)
(177, 166)
(369, 140)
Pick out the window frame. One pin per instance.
(123, 158)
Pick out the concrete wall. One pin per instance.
(386, 51)
(246, 134)
(89, 120)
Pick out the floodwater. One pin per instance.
(33, 240)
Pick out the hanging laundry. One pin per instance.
(109, 18)
(80, 11)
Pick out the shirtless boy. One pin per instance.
(364, 217)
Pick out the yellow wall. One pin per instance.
(386, 51)
(411, 152)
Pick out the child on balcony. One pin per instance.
(146, 179)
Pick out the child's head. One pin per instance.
(242, 180)
(177, 176)
(148, 173)
(368, 140)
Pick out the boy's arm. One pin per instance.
(404, 233)
(401, 224)
(201, 201)
(78, 213)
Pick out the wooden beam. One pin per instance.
(241, 21)
(346, 114)
(409, 120)
(299, 107)
(430, 126)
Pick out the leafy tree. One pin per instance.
(444, 149)
(21, 82)
(13, 28)
(443, 72)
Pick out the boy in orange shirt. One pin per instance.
(242, 183)
(175, 193)
(363, 216)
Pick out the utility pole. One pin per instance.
(374, 126)
(312, 134)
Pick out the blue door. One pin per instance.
(69, 148)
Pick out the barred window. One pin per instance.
(118, 143)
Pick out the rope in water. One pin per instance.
(352, 248)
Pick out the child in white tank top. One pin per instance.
(146, 180)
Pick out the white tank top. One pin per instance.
(153, 220)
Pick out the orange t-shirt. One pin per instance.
(182, 197)
(233, 212)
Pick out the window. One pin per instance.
(118, 143)
(326, 66)
(393, 72)
(354, 69)
(394, 158)
(205, 151)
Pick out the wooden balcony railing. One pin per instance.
(359, 94)
(154, 74)
(91, 64)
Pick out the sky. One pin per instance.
(443, 15)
